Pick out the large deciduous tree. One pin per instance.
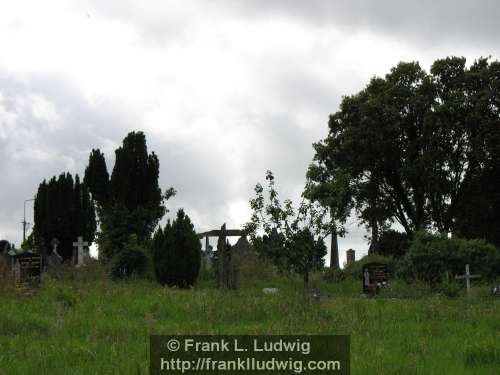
(414, 147)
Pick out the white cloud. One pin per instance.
(224, 90)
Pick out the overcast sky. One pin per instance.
(224, 90)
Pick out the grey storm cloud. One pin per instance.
(428, 22)
(424, 21)
(37, 143)
(46, 128)
(255, 98)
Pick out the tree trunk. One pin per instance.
(375, 238)
(334, 252)
(306, 281)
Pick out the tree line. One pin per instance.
(414, 148)
(120, 211)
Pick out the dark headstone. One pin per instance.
(375, 276)
(350, 256)
(27, 268)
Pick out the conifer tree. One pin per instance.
(97, 177)
(130, 202)
(177, 252)
(63, 210)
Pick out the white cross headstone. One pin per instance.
(80, 245)
(467, 277)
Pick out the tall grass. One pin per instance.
(102, 327)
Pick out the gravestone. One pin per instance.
(54, 259)
(467, 277)
(375, 276)
(206, 258)
(226, 275)
(80, 252)
(27, 268)
(55, 243)
(350, 256)
(243, 257)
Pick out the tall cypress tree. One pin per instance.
(131, 201)
(63, 210)
(97, 177)
(134, 181)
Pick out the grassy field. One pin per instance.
(103, 327)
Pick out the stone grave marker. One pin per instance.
(27, 268)
(79, 252)
(243, 256)
(54, 259)
(350, 256)
(375, 276)
(467, 277)
(227, 274)
(207, 257)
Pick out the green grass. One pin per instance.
(103, 327)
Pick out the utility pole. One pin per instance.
(24, 222)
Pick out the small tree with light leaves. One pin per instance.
(293, 238)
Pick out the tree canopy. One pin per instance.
(63, 210)
(130, 202)
(413, 147)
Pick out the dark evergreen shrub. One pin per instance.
(431, 257)
(177, 253)
(131, 261)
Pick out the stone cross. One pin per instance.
(467, 277)
(80, 245)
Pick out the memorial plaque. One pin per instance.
(27, 269)
(374, 277)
